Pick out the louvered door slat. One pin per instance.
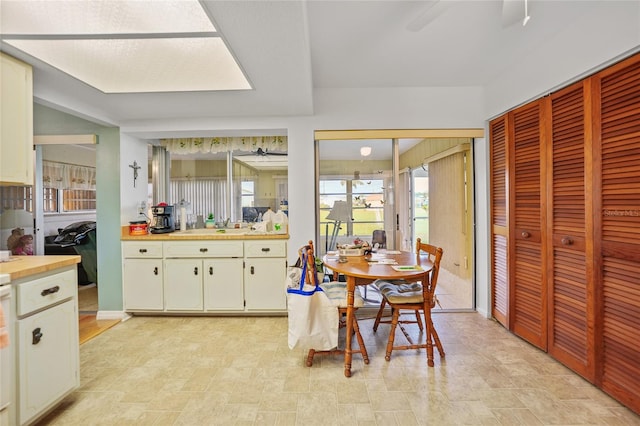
(569, 338)
(499, 221)
(528, 287)
(620, 222)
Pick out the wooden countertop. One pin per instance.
(23, 266)
(205, 235)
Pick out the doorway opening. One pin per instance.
(409, 185)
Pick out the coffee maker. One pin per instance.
(163, 219)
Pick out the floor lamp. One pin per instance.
(338, 214)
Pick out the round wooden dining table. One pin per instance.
(363, 270)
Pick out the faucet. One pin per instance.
(226, 222)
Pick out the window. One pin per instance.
(365, 200)
(71, 200)
(50, 202)
(75, 200)
(17, 198)
(68, 187)
(248, 193)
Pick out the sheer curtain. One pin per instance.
(206, 195)
(68, 176)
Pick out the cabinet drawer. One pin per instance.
(265, 248)
(142, 249)
(42, 292)
(203, 249)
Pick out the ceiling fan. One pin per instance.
(264, 153)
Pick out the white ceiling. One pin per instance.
(289, 48)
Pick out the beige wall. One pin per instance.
(450, 211)
(414, 156)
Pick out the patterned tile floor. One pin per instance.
(239, 371)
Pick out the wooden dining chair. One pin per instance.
(401, 296)
(337, 293)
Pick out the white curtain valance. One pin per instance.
(68, 176)
(215, 145)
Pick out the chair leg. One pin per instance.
(363, 348)
(419, 321)
(436, 339)
(392, 332)
(310, 355)
(379, 315)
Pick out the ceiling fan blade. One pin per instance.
(429, 13)
(512, 12)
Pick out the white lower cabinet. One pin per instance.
(264, 274)
(230, 276)
(142, 273)
(45, 342)
(183, 287)
(264, 284)
(145, 289)
(48, 358)
(223, 285)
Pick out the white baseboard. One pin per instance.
(112, 315)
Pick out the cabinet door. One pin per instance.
(618, 220)
(571, 274)
(16, 118)
(48, 358)
(264, 284)
(183, 284)
(527, 292)
(142, 284)
(223, 286)
(499, 224)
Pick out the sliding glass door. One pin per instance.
(402, 189)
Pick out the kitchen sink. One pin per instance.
(206, 231)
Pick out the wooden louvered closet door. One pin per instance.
(618, 220)
(569, 218)
(499, 214)
(527, 287)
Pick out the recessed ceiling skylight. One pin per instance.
(125, 46)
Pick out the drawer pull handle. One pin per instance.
(51, 290)
(266, 249)
(142, 250)
(204, 250)
(195, 271)
(155, 271)
(36, 336)
(253, 271)
(525, 234)
(210, 270)
(567, 241)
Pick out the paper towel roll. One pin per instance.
(183, 218)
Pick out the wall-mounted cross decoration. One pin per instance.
(135, 168)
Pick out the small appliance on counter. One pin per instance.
(138, 227)
(163, 219)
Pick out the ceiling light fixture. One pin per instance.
(365, 151)
(526, 13)
(126, 46)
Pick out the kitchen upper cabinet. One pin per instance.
(16, 122)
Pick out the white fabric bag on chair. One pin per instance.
(313, 319)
